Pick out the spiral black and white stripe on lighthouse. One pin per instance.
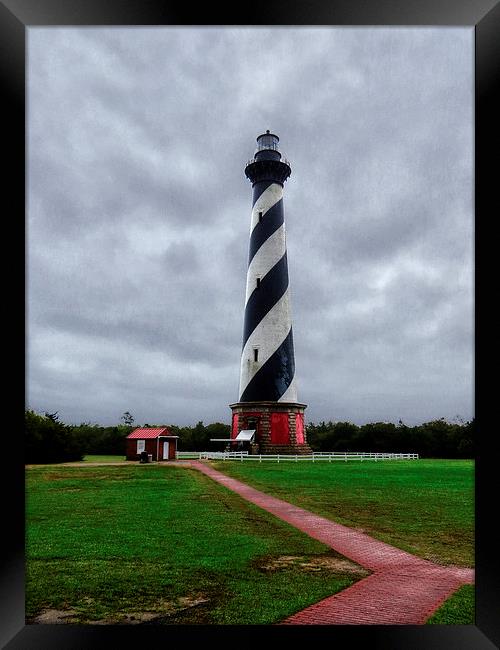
(267, 360)
(268, 391)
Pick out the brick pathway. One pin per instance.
(402, 590)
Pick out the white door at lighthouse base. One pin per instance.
(165, 449)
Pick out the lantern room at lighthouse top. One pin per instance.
(268, 163)
(267, 147)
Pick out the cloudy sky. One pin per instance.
(139, 215)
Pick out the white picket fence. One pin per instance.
(210, 455)
(315, 456)
(362, 455)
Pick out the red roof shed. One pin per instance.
(158, 442)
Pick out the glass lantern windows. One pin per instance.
(267, 141)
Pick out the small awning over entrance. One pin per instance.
(246, 434)
(243, 436)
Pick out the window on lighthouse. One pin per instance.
(255, 354)
(260, 216)
(257, 283)
(267, 141)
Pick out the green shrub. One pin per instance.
(47, 440)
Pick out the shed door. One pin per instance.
(165, 450)
(141, 446)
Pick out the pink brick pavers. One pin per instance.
(402, 590)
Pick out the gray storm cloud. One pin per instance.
(139, 213)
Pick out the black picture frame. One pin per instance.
(16, 16)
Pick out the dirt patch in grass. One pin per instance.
(83, 472)
(160, 610)
(196, 613)
(311, 564)
(56, 616)
(68, 489)
(65, 476)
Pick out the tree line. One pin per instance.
(49, 440)
(434, 439)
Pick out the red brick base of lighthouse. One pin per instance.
(279, 426)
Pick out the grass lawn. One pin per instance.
(425, 507)
(139, 543)
(457, 610)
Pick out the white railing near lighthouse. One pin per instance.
(315, 456)
(210, 455)
(282, 159)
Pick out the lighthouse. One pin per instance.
(267, 413)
